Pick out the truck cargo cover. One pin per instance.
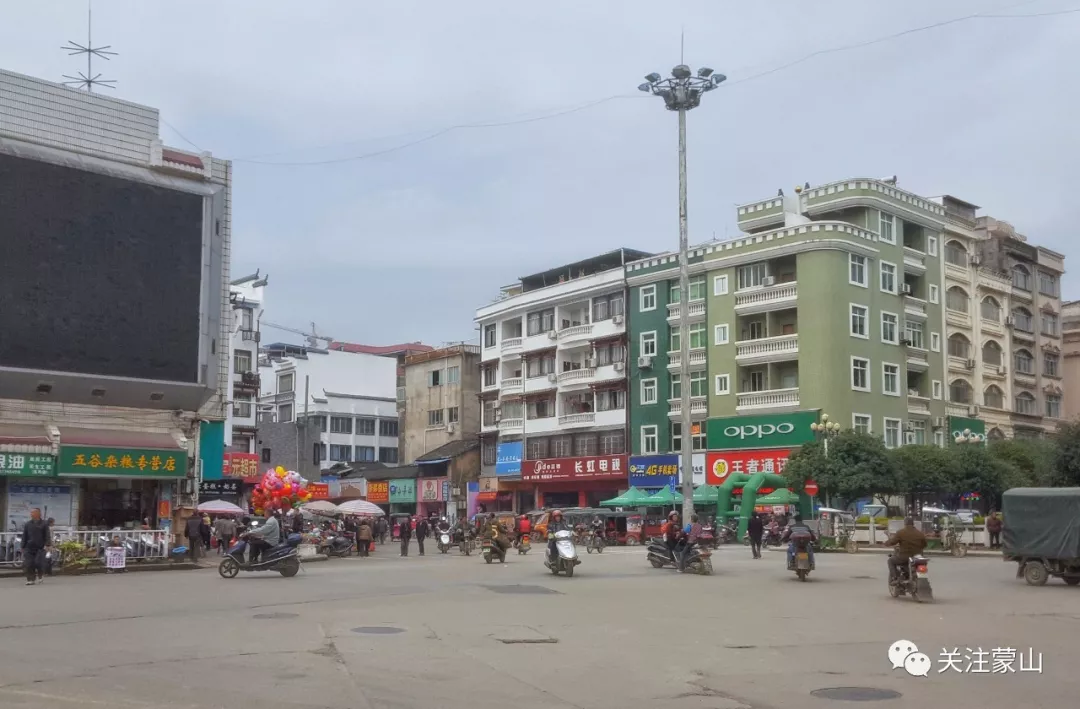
(1042, 522)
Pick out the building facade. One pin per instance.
(1070, 333)
(554, 385)
(248, 299)
(441, 399)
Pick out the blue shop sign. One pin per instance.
(508, 458)
(654, 471)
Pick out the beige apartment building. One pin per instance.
(1070, 333)
(441, 400)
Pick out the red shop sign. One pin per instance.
(378, 491)
(719, 465)
(594, 467)
(319, 491)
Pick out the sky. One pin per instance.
(396, 161)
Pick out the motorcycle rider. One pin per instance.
(909, 542)
(672, 532)
(555, 524)
(263, 537)
(524, 528)
(597, 528)
(800, 529)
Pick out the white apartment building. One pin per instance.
(247, 296)
(1002, 321)
(351, 396)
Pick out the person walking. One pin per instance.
(405, 534)
(206, 530)
(36, 539)
(422, 529)
(224, 529)
(363, 537)
(380, 529)
(755, 530)
(994, 524)
(193, 532)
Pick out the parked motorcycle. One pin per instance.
(566, 558)
(338, 545)
(801, 562)
(913, 579)
(728, 533)
(283, 558)
(444, 542)
(708, 537)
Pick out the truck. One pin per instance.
(1042, 533)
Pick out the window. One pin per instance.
(721, 334)
(242, 406)
(755, 330)
(434, 378)
(365, 427)
(886, 232)
(488, 417)
(541, 409)
(918, 431)
(648, 344)
(388, 455)
(489, 335)
(610, 400)
(246, 319)
(939, 439)
(752, 276)
(388, 428)
(536, 448)
(991, 354)
(1025, 404)
(956, 254)
(453, 374)
(649, 442)
(931, 245)
(676, 387)
(285, 413)
(340, 453)
(648, 391)
(241, 361)
(720, 285)
(913, 333)
(956, 299)
(890, 379)
(937, 389)
(1024, 362)
(490, 377)
(723, 384)
(1021, 277)
(365, 454)
(860, 423)
(697, 336)
(540, 366)
(340, 424)
(858, 321)
(540, 322)
(860, 374)
(452, 415)
(1050, 365)
(1048, 285)
(1022, 320)
(607, 307)
(698, 385)
(892, 433)
(612, 442)
(935, 342)
(285, 383)
(757, 381)
(674, 340)
(265, 455)
(934, 297)
(1053, 406)
(993, 397)
(697, 440)
(857, 270)
(960, 392)
(488, 452)
(697, 288)
(959, 346)
(562, 446)
(609, 354)
(1049, 324)
(647, 298)
(435, 418)
(989, 309)
(890, 326)
(888, 276)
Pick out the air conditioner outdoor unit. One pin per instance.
(905, 289)
(644, 362)
(905, 343)
(451, 427)
(909, 426)
(619, 366)
(939, 422)
(970, 364)
(909, 437)
(768, 281)
(552, 335)
(552, 377)
(913, 392)
(975, 259)
(973, 410)
(617, 319)
(590, 363)
(1009, 321)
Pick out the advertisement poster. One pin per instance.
(319, 491)
(508, 458)
(115, 558)
(29, 465)
(241, 465)
(53, 501)
(431, 489)
(720, 465)
(656, 471)
(378, 491)
(594, 467)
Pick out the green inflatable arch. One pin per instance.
(750, 485)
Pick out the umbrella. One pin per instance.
(706, 494)
(782, 496)
(664, 498)
(321, 507)
(219, 507)
(361, 508)
(631, 498)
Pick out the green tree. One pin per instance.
(1033, 459)
(857, 465)
(976, 470)
(922, 470)
(1066, 467)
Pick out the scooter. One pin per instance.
(698, 559)
(336, 545)
(283, 558)
(464, 544)
(444, 542)
(913, 580)
(493, 551)
(566, 558)
(524, 545)
(708, 537)
(800, 561)
(659, 555)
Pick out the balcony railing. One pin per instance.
(766, 348)
(771, 398)
(913, 258)
(767, 298)
(512, 383)
(575, 332)
(511, 343)
(697, 310)
(957, 318)
(511, 424)
(917, 357)
(581, 419)
(914, 306)
(585, 374)
(918, 404)
(698, 358)
(698, 407)
(251, 336)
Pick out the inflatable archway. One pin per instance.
(750, 485)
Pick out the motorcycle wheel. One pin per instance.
(589, 549)
(487, 558)
(228, 568)
(290, 567)
(656, 564)
(922, 592)
(632, 541)
(570, 571)
(801, 573)
(894, 590)
(707, 567)
(600, 549)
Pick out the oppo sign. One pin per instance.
(788, 430)
(759, 430)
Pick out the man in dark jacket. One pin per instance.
(36, 538)
(909, 542)
(755, 529)
(405, 534)
(193, 532)
(798, 530)
(422, 530)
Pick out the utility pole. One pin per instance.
(681, 93)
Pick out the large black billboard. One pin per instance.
(100, 275)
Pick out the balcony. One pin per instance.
(1025, 379)
(992, 327)
(575, 334)
(512, 385)
(914, 261)
(917, 359)
(607, 372)
(957, 272)
(769, 212)
(515, 424)
(767, 349)
(769, 399)
(914, 308)
(511, 345)
(963, 410)
(994, 371)
(698, 359)
(763, 300)
(544, 382)
(246, 381)
(917, 404)
(251, 336)
(582, 376)
(697, 311)
(996, 281)
(583, 419)
(699, 408)
(957, 318)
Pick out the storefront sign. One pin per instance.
(27, 465)
(53, 501)
(378, 491)
(241, 465)
(508, 458)
(720, 465)
(87, 461)
(651, 470)
(219, 487)
(402, 492)
(431, 489)
(446, 490)
(115, 558)
(488, 484)
(352, 488)
(768, 431)
(597, 467)
(960, 426)
(319, 491)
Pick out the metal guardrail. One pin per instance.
(140, 544)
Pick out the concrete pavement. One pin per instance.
(446, 631)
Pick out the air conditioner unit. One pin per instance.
(768, 281)
(975, 259)
(552, 335)
(451, 427)
(905, 343)
(644, 362)
(905, 289)
(909, 438)
(1009, 322)
(909, 426)
(617, 319)
(970, 364)
(939, 422)
(619, 366)
(1001, 371)
(552, 377)
(912, 392)
(973, 410)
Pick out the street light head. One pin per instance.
(645, 87)
(653, 78)
(704, 72)
(824, 417)
(718, 79)
(681, 72)
(814, 427)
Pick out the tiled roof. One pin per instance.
(402, 472)
(404, 348)
(179, 158)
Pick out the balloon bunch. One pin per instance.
(279, 489)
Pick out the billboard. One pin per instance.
(508, 458)
(591, 467)
(787, 430)
(720, 465)
(648, 471)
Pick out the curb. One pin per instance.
(181, 566)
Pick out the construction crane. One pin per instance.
(313, 338)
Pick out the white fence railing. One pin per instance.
(139, 544)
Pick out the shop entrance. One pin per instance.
(123, 503)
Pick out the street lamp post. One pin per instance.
(824, 430)
(682, 92)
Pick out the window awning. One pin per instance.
(24, 438)
(112, 438)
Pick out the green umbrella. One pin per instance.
(631, 498)
(665, 497)
(706, 494)
(782, 496)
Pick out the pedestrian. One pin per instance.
(36, 540)
(994, 524)
(363, 537)
(206, 530)
(405, 533)
(422, 529)
(380, 529)
(193, 532)
(755, 529)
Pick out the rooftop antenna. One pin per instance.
(89, 80)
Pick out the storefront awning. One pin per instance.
(111, 438)
(24, 438)
(487, 496)
(109, 453)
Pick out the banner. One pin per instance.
(720, 465)
(508, 458)
(319, 491)
(595, 467)
(92, 461)
(115, 558)
(241, 465)
(30, 465)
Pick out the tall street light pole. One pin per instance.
(682, 92)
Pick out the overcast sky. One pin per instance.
(406, 245)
